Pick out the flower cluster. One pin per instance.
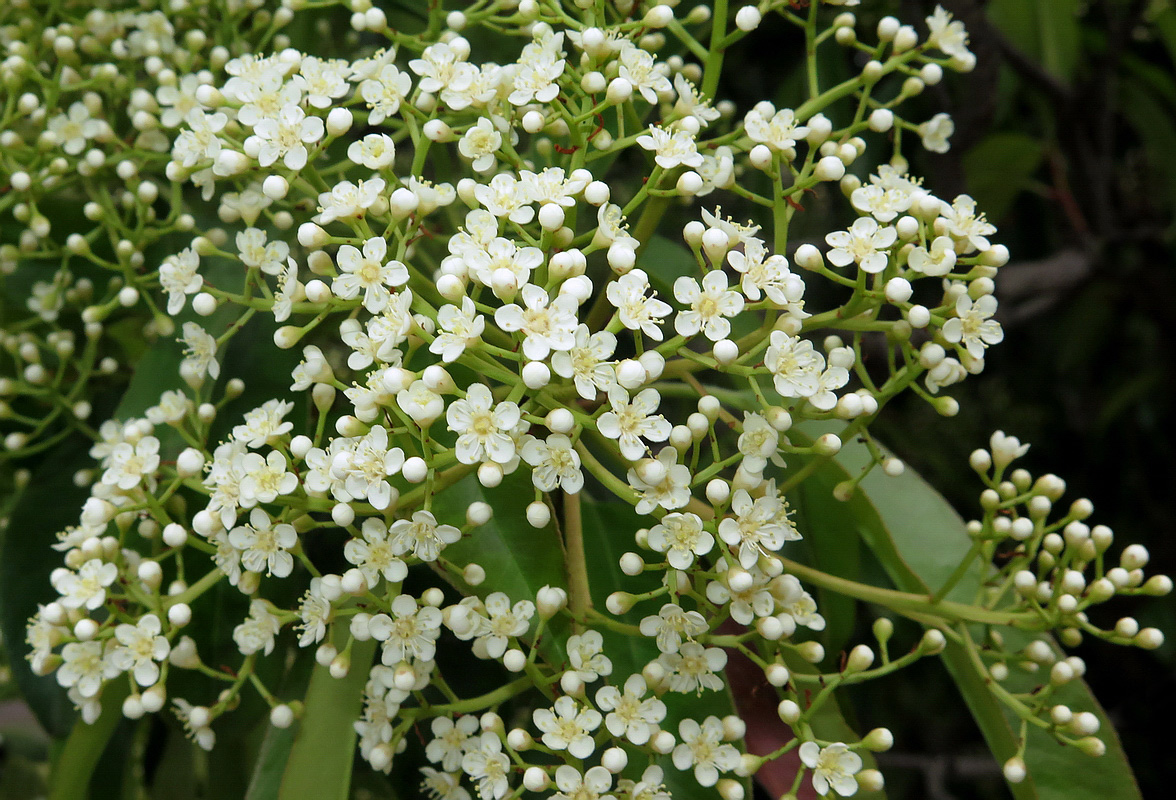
(471, 260)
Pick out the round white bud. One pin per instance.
(538, 514)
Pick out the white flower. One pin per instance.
(770, 275)
(179, 276)
(779, 131)
(488, 767)
(759, 527)
(947, 34)
(586, 655)
(450, 740)
(796, 603)
(670, 624)
(364, 464)
(745, 605)
(703, 749)
(460, 328)
(76, 127)
(970, 229)
(324, 81)
(973, 326)
(796, 368)
(347, 200)
(672, 148)
(368, 273)
(314, 612)
(864, 243)
(758, 442)
(482, 427)
(421, 403)
(409, 633)
(567, 726)
(681, 537)
(374, 555)
(265, 546)
(499, 254)
(592, 785)
(833, 766)
(628, 421)
(443, 785)
(639, 69)
(650, 787)
(199, 142)
(85, 666)
(630, 714)
(502, 198)
(286, 137)
(265, 478)
(694, 668)
(691, 103)
(637, 312)
(710, 305)
(547, 325)
(833, 377)
(671, 491)
(436, 66)
(479, 144)
(1006, 449)
(539, 67)
(936, 132)
(141, 647)
(256, 252)
(504, 622)
(131, 464)
(258, 631)
(384, 93)
(200, 349)
(587, 362)
(555, 463)
(374, 151)
(945, 373)
(937, 261)
(421, 536)
(264, 423)
(85, 588)
(551, 185)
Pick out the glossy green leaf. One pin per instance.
(1049, 32)
(665, 261)
(271, 764)
(999, 168)
(920, 539)
(323, 752)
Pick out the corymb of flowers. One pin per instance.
(538, 300)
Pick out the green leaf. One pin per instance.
(271, 764)
(999, 168)
(665, 261)
(1050, 32)
(321, 758)
(920, 540)
(71, 771)
(48, 504)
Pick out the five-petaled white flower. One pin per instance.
(864, 243)
(368, 272)
(140, 648)
(973, 326)
(568, 726)
(421, 536)
(681, 537)
(710, 305)
(286, 137)
(265, 547)
(628, 421)
(482, 428)
(702, 748)
(547, 324)
(833, 766)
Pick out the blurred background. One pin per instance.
(1066, 136)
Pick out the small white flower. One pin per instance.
(947, 34)
(421, 536)
(374, 151)
(795, 366)
(547, 325)
(586, 655)
(130, 464)
(759, 527)
(702, 748)
(504, 622)
(973, 326)
(672, 148)
(670, 624)
(421, 403)
(592, 785)
(409, 633)
(937, 261)
(368, 273)
(796, 603)
(286, 137)
(374, 555)
(710, 305)
(969, 228)
(681, 537)
(264, 424)
(628, 421)
(479, 144)
(85, 666)
(179, 276)
(864, 243)
(833, 766)
(200, 349)
(587, 362)
(385, 92)
(265, 478)
(265, 547)
(85, 588)
(451, 738)
(482, 427)
(460, 328)
(258, 631)
(779, 131)
(694, 668)
(671, 492)
(936, 132)
(1006, 449)
(141, 647)
(556, 463)
(348, 200)
(488, 767)
(631, 714)
(567, 726)
(636, 311)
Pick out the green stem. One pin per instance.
(579, 592)
(70, 777)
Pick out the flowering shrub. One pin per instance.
(515, 363)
